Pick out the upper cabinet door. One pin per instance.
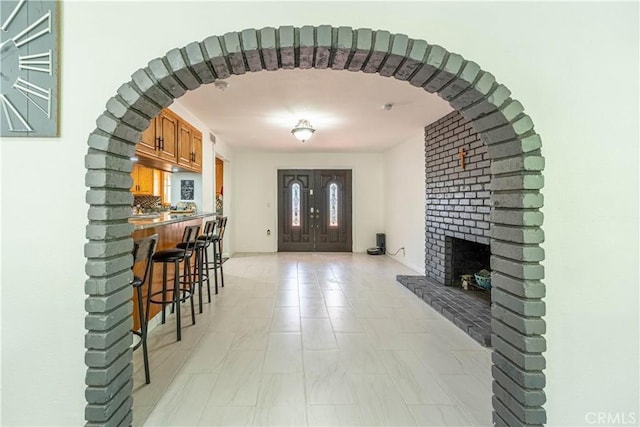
(185, 154)
(168, 129)
(148, 141)
(196, 146)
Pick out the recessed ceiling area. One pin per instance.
(347, 109)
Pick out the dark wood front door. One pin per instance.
(314, 210)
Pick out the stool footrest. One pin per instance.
(185, 291)
(139, 343)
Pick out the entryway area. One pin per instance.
(314, 210)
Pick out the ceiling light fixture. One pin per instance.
(303, 130)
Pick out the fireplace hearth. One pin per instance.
(468, 310)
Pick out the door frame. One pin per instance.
(350, 197)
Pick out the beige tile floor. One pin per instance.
(313, 340)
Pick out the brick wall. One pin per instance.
(457, 199)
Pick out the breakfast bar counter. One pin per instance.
(169, 228)
(144, 221)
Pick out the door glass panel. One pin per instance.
(333, 205)
(295, 205)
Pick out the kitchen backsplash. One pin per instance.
(147, 202)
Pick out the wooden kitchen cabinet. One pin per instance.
(196, 145)
(189, 147)
(159, 140)
(171, 141)
(167, 135)
(148, 143)
(142, 180)
(185, 136)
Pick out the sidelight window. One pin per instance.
(333, 205)
(295, 205)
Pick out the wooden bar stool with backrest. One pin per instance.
(143, 250)
(182, 289)
(200, 273)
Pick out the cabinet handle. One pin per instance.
(158, 143)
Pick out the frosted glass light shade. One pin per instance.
(303, 130)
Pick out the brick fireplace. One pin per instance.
(458, 200)
(457, 225)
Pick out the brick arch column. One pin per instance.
(516, 169)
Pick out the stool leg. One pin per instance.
(206, 263)
(149, 292)
(164, 290)
(176, 299)
(143, 333)
(215, 267)
(199, 272)
(194, 273)
(220, 263)
(191, 288)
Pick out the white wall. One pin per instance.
(574, 66)
(404, 189)
(176, 178)
(254, 177)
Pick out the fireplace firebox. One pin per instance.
(464, 257)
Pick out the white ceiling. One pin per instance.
(258, 110)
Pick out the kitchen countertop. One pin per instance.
(164, 218)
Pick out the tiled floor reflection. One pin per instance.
(318, 340)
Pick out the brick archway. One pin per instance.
(516, 180)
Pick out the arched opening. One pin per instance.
(516, 180)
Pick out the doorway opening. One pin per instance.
(518, 326)
(314, 210)
(219, 186)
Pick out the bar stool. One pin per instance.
(182, 289)
(201, 260)
(143, 250)
(217, 252)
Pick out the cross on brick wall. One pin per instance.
(462, 155)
